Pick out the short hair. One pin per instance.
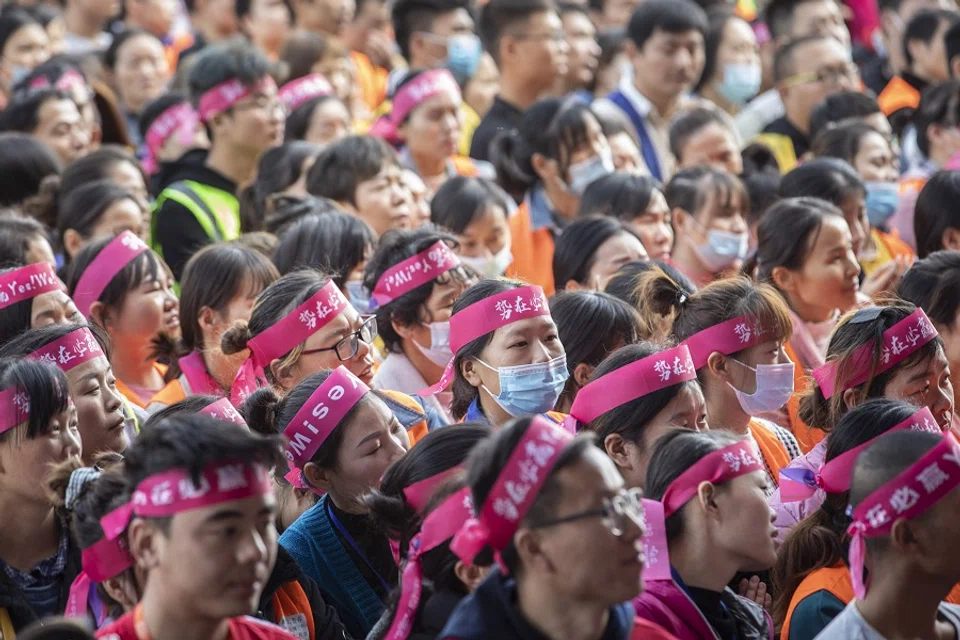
(619, 195)
(47, 392)
(342, 167)
(842, 142)
(411, 16)
(333, 242)
(12, 19)
(277, 169)
(500, 15)
(939, 104)
(933, 284)
(23, 112)
(689, 122)
(672, 16)
(576, 248)
(461, 199)
(839, 107)
(829, 179)
(924, 26)
(303, 50)
(951, 41)
(16, 234)
(779, 15)
(936, 211)
(24, 164)
(783, 63)
(222, 62)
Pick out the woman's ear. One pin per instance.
(618, 450)
(706, 496)
(850, 398)
(678, 218)
(582, 374)
(468, 369)
(72, 242)
(208, 319)
(405, 331)
(283, 374)
(100, 314)
(544, 167)
(784, 279)
(717, 365)
(120, 589)
(470, 575)
(951, 238)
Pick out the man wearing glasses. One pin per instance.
(806, 71)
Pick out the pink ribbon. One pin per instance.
(227, 94)
(728, 338)
(899, 342)
(514, 492)
(72, 350)
(26, 283)
(438, 527)
(298, 325)
(195, 371)
(121, 251)
(414, 272)
(418, 494)
(102, 560)
(907, 496)
(297, 92)
(409, 97)
(487, 315)
(718, 466)
(656, 553)
(180, 118)
(14, 408)
(834, 476)
(69, 80)
(223, 410)
(633, 381)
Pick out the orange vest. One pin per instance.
(170, 394)
(774, 453)
(532, 251)
(898, 94)
(131, 395)
(417, 431)
(291, 600)
(464, 166)
(173, 50)
(807, 437)
(371, 79)
(897, 247)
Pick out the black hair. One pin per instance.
(335, 242)
(190, 405)
(12, 19)
(623, 284)
(594, 325)
(783, 60)
(576, 248)
(933, 284)
(788, 233)
(277, 169)
(761, 178)
(671, 16)
(412, 16)
(951, 41)
(157, 106)
(47, 395)
(488, 459)
(289, 209)
(829, 179)
(620, 195)
(96, 165)
(439, 451)
(935, 211)
(552, 127)
(25, 163)
(16, 234)
(23, 111)
(395, 246)
(779, 16)
(674, 453)
(242, 8)
(462, 199)
(57, 629)
(611, 41)
(44, 14)
(463, 392)
(27, 342)
(219, 63)
(923, 26)
(112, 52)
(689, 189)
(842, 141)
(939, 105)
(343, 166)
(717, 19)
(298, 121)
(146, 266)
(499, 17)
(85, 206)
(838, 108)
(303, 50)
(689, 123)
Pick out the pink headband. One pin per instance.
(656, 553)
(66, 82)
(71, 350)
(834, 476)
(419, 493)
(171, 492)
(14, 408)
(414, 272)
(906, 496)
(298, 325)
(26, 283)
(727, 337)
(101, 561)
(226, 94)
(486, 316)
(515, 490)
(180, 118)
(296, 92)
(223, 410)
(121, 251)
(633, 381)
(438, 527)
(409, 97)
(899, 342)
(719, 466)
(318, 417)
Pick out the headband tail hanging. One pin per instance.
(857, 557)
(470, 540)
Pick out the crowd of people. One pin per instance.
(474, 319)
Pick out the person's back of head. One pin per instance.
(936, 222)
(933, 284)
(839, 107)
(25, 163)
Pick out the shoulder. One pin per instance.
(813, 614)
(847, 625)
(646, 630)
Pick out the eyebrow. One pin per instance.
(375, 434)
(90, 376)
(226, 514)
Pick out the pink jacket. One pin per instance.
(790, 513)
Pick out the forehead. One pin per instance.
(96, 367)
(578, 23)
(58, 110)
(530, 326)
(812, 11)
(819, 54)
(737, 31)
(588, 480)
(678, 38)
(370, 415)
(247, 509)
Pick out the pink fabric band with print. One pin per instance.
(899, 342)
(633, 381)
(409, 97)
(515, 490)
(223, 410)
(722, 465)
(656, 564)
(121, 251)
(727, 337)
(418, 494)
(297, 92)
(298, 325)
(14, 408)
(72, 350)
(438, 527)
(66, 82)
(907, 496)
(26, 283)
(488, 315)
(226, 94)
(834, 476)
(414, 272)
(180, 118)
(100, 561)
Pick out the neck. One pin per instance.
(494, 412)
(136, 367)
(518, 92)
(903, 604)
(801, 124)
(807, 312)
(176, 620)
(238, 167)
(713, 96)
(431, 373)
(31, 536)
(699, 565)
(219, 367)
(347, 504)
(664, 105)
(557, 618)
(940, 157)
(685, 259)
(429, 166)
(81, 24)
(724, 409)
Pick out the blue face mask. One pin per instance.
(740, 82)
(723, 249)
(359, 297)
(882, 201)
(463, 55)
(529, 389)
(583, 174)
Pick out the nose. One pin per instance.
(363, 350)
(111, 400)
(944, 400)
(170, 301)
(72, 446)
(740, 224)
(396, 450)
(253, 548)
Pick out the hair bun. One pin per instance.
(235, 338)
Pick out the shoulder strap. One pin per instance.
(191, 200)
(647, 149)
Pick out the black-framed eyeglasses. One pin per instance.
(617, 513)
(349, 346)
(459, 273)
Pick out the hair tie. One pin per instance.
(78, 480)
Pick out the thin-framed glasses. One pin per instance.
(348, 347)
(617, 513)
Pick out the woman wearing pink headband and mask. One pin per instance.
(32, 297)
(715, 523)
(425, 122)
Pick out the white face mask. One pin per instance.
(492, 267)
(438, 352)
(774, 388)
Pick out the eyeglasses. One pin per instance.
(349, 346)
(556, 36)
(827, 75)
(617, 513)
